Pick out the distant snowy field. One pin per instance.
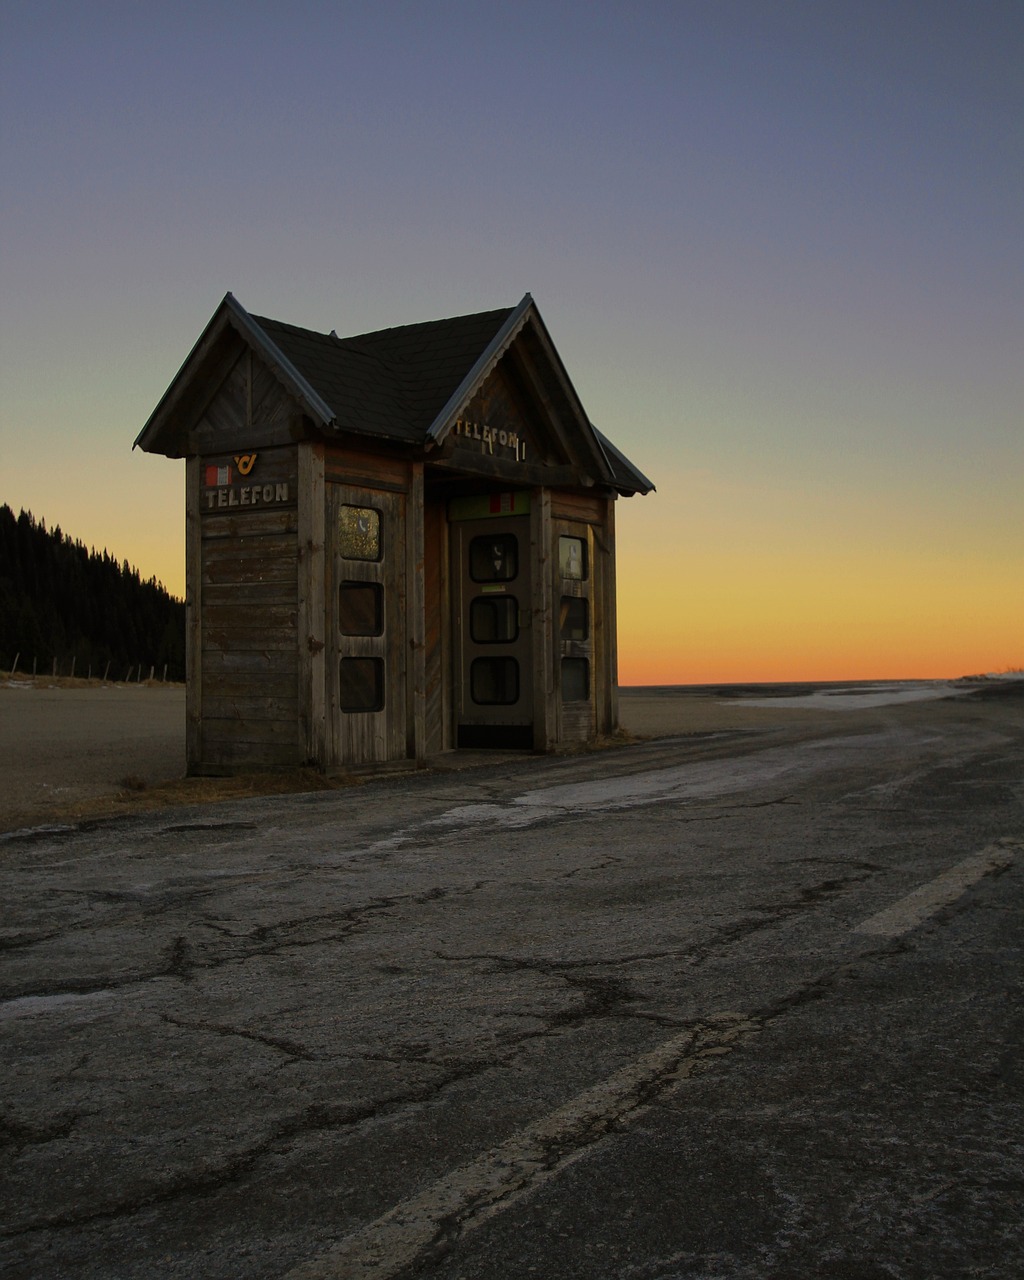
(856, 697)
(847, 698)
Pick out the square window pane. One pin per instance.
(361, 609)
(573, 618)
(494, 681)
(494, 558)
(572, 558)
(359, 533)
(575, 679)
(494, 619)
(361, 684)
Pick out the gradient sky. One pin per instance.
(779, 246)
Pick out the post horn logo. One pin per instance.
(245, 462)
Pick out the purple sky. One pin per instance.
(778, 245)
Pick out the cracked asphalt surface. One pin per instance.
(599, 1016)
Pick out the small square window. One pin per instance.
(361, 684)
(494, 681)
(494, 558)
(359, 533)
(494, 619)
(572, 558)
(361, 609)
(573, 618)
(575, 680)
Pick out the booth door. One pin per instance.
(366, 677)
(493, 637)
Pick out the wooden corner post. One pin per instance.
(193, 618)
(416, 679)
(545, 719)
(311, 616)
(608, 720)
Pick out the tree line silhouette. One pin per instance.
(63, 604)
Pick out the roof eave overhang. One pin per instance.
(640, 484)
(588, 432)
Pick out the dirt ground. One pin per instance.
(73, 750)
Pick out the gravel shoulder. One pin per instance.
(73, 750)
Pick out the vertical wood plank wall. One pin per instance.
(592, 520)
(262, 617)
(438, 715)
(394, 488)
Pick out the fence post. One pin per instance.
(164, 681)
(106, 671)
(74, 659)
(129, 675)
(18, 655)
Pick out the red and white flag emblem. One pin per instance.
(216, 476)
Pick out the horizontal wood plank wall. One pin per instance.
(371, 470)
(248, 580)
(578, 506)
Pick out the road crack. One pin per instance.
(289, 1047)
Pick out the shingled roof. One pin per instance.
(392, 383)
(404, 384)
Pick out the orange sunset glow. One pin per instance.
(777, 248)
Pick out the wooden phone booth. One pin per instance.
(398, 544)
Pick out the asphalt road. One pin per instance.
(740, 1005)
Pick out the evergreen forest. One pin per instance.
(68, 610)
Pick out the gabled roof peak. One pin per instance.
(407, 384)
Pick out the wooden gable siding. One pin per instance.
(500, 437)
(248, 410)
(503, 406)
(248, 671)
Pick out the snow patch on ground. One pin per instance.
(846, 699)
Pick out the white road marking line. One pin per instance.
(468, 1196)
(909, 912)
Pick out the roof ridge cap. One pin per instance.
(440, 320)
